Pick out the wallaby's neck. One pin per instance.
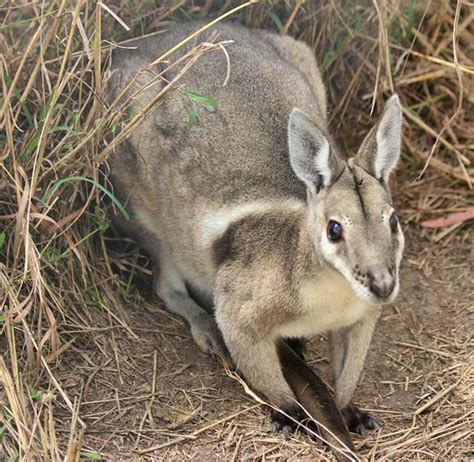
(309, 259)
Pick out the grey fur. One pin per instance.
(223, 210)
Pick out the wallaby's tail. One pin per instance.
(315, 397)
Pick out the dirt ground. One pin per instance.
(148, 393)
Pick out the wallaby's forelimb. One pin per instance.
(315, 397)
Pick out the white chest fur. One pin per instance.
(328, 303)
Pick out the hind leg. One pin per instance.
(171, 288)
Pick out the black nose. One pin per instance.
(381, 283)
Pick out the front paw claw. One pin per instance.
(287, 430)
(285, 424)
(359, 421)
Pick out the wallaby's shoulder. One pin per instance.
(266, 234)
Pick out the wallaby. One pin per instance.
(256, 210)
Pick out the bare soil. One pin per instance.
(143, 384)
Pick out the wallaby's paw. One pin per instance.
(359, 421)
(284, 424)
(207, 336)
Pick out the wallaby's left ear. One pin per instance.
(380, 151)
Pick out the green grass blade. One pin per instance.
(203, 100)
(277, 21)
(72, 179)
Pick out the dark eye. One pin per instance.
(393, 222)
(334, 231)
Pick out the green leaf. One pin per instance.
(92, 455)
(277, 21)
(3, 236)
(61, 128)
(193, 116)
(408, 158)
(103, 226)
(342, 41)
(36, 395)
(199, 100)
(33, 144)
(72, 179)
(410, 15)
(47, 105)
(202, 100)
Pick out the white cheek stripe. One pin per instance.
(328, 251)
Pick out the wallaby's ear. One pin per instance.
(380, 151)
(311, 155)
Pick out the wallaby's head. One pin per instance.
(352, 222)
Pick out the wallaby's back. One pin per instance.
(238, 153)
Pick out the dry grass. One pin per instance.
(76, 357)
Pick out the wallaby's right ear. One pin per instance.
(311, 155)
(380, 151)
